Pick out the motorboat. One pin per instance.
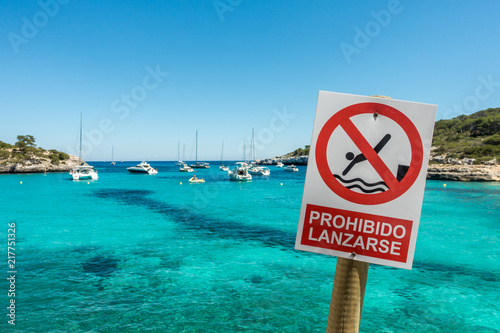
(224, 168)
(83, 172)
(259, 170)
(291, 168)
(186, 168)
(280, 165)
(194, 180)
(143, 167)
(240, 172)
(199, 165)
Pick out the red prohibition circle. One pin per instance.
(342, 118)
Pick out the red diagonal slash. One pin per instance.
(370, 154)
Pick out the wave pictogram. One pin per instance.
(367, 188)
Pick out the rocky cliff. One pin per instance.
(40, 165)
(301, 160)
(464, 172)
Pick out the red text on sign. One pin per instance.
(364, 234)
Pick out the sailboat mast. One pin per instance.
(196, 147)
(253, 144)
(183, 151)
(222, 152)
(178, 150)
(81, 130)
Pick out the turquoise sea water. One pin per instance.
(140, 253)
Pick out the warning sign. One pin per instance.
(390, 185)
(365, 178)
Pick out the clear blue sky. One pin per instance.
(147, 75)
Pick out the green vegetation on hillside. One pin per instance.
(299, 152)
(474, 136)
(25, 149)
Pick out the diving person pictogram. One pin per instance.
(361, 184)
(360, 157)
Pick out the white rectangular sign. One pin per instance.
(365, 178)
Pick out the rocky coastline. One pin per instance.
(41, 165)
(466, 169)
(480, 173)
(439, 169)
(287, 160)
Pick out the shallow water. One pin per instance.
(133, 253)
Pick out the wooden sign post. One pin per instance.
(347, 296)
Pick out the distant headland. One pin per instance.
(25, 157)
(464, 148)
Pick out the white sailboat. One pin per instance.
(83, 172)
(112, 157)
(222, 166)
(179, 161)
(199, 165)
(254, 168)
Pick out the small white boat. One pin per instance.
(259, 171)
(143, 167)
(186, 168)
(84, 172)
(279, 165)
(194, 180)
(240, 173)
(179, 162)
(291, 168)
(224, 168)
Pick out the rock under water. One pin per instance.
(101, 265)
